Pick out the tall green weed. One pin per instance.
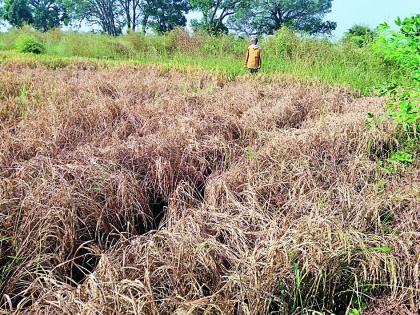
(402, 49)
(285, 52)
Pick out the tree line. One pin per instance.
(247, 17)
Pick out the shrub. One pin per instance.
(223, 45)
(359, 35)
(401, 47)
(180, 41)
(119, 49)
(404, 110)
(137, 41)
(283, 44)
(29, 44)
(401, 50)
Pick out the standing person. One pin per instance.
(253, 56)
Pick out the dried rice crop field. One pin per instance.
(141, 191)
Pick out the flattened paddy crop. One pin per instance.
(134, 190)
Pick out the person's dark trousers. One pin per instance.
(253, 71)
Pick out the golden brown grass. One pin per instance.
(141, 191)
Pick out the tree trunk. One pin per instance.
(134, 22)
(144, 24)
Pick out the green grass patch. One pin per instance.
(359, 68)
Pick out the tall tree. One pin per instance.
(108, 14)
(215, 13)
(47, 14)
(165, 15)
(133, 10)
(17, 12)
(2, 12)
(268, 16)
(41, 14)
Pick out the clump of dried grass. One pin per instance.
(188, 195)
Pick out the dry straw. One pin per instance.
(140, 191)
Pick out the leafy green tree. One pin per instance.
(41, 14)
(268, 16)
(17, 12)
(113, 15)
(47, 14)
(215, 13)
(165, 15)
(107, 14)
(359, 35)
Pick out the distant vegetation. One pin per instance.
(364, 59)
(360, 35)
(287, 52)
(160, 16)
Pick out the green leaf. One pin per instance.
(250, 154)
(354, 311)
(401, 157)
(404, 104)
(282, 288)
(382, 249)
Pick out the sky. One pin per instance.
(369, 12)
(366, 12)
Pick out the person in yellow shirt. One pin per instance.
(253, 56)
